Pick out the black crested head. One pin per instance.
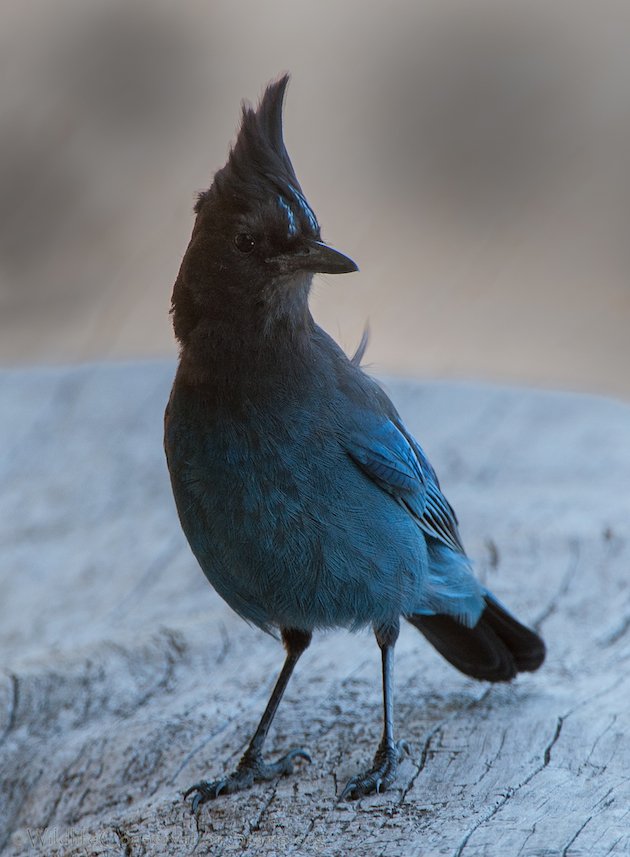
(256, 241)
(259, 164)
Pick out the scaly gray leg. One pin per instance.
(385, 765)
(252, 768)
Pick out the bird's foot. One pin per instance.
(251, 769)
(380, 776)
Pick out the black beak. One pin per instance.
(317, 257)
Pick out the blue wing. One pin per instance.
(390, 456)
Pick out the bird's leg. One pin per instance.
(252, 768)
(385, 765)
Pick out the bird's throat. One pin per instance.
(243, 353)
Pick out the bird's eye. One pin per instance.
(244, 242)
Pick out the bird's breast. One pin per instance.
(283, 524)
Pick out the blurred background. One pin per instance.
(473, 157)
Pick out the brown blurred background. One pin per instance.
(473, 157)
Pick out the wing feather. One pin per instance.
(390, 456)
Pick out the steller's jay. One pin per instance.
(303, 496)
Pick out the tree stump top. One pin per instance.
(126, 678)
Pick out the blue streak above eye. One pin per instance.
(293, 230)
(305, 208)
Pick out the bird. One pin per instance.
(305, 499)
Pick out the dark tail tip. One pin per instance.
(496, 649)
(526, 646)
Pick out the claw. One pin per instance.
(348, 790)
(205, 791)
(285, 764)
(190, 791)
(300, 754)
(198, 787)
(403, 747)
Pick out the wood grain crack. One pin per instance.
(513, 791)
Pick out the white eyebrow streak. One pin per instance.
(293, 229)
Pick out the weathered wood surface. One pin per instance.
(126, 678)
